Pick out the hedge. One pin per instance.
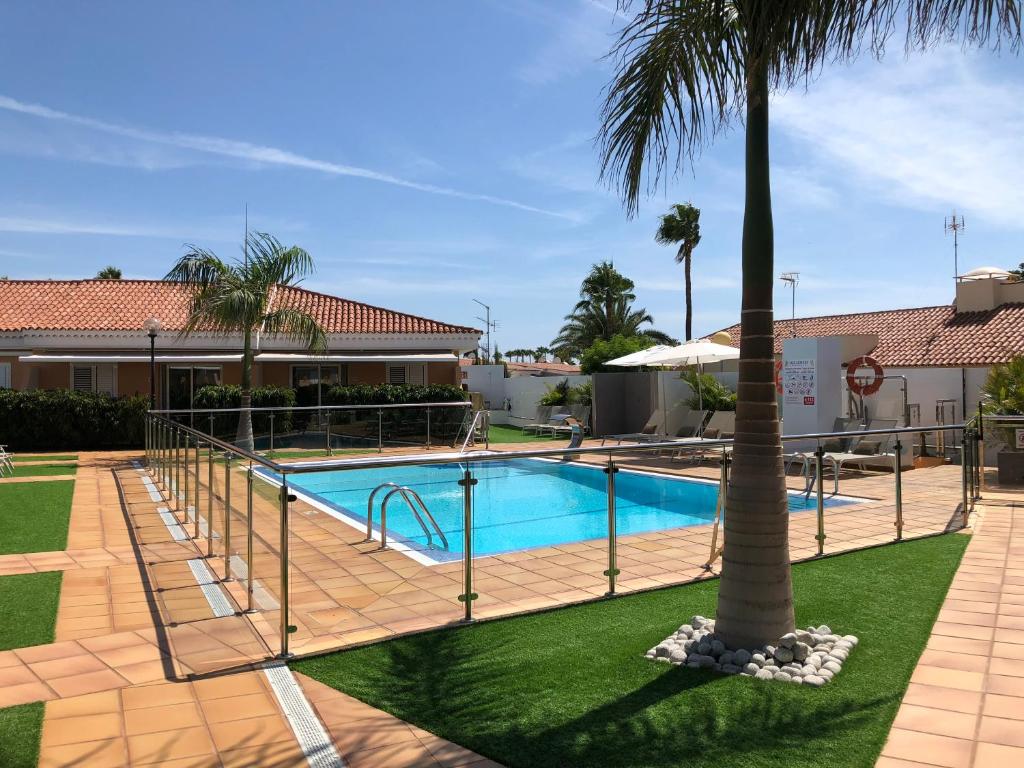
(230, 396)
(401, 423)
(390, 394)
(61, 419)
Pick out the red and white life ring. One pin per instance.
(856, 385)
(778, 376)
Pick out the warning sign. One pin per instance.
(799, 381)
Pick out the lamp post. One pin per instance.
(152, 327)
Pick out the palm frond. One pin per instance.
(296, 324)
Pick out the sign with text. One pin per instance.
(799, 381)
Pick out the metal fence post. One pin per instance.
(184, 457)
(285, 629)
(250, 565)
(613, 569)
(380, 431)
(468, 596)
(209, 506)
(199, 483)
(898, 472)
(211, 426)
(227, 517)
(965, 511)
(163, 455)
(819, 468)
(177, 469)
(428, 428)
(270, 452)
(327, 432)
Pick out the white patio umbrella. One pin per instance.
(696, 352)
(635, 359)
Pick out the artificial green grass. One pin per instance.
(28, 609)
(34, 516)
(503, 433)
(37, 470)
(571, 687)
(46, 457)
(21, 728)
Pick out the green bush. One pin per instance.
(230, 396)
(60, 419)
(713, 394)
(600, 352)
(557, 395)
(392, 394)
(396, 422)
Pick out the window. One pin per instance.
(95, 378)
(412, 373)
(5, 375)
(183, 383)
(311, 382)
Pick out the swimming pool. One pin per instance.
(518, 504)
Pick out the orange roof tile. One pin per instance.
(920, 336)
(123, 305)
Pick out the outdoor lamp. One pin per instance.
(152, 327)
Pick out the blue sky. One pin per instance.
(430, 153)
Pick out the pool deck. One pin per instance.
(137, 629)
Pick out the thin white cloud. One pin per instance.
(930, 133)
(581, 37)
(255, 153)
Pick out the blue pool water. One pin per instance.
(521, 503)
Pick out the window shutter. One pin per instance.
(5, 375)
(417, 373)
(82, 378)
(106, 379)
(396, 374)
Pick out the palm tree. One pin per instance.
(236, 297)
(686, 70)
(540, 354)
(682, 225)
(109, 273)
(605, 309)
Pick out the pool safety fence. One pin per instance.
(333, 574)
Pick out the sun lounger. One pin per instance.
(543, 419)
(721, 426)
(6, 461)
(649, 430)
(870, 448)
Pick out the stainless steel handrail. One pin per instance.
(386, 406)
(480, 457)
(478, 416)
(405, 492)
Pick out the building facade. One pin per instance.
(91, 335)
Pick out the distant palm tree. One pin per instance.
(229, 298)
(686, 70)
(605, 309)
(540, 354)
(109, 273)
(681, 226)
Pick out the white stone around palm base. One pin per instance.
(806, 657)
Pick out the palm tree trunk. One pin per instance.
(243, 438)
(755, 599)
(689, 297)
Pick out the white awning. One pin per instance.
(355, 357)
(86, 357)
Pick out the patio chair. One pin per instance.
(832, 445)
(578, 413)
(721, 426)
(651, 429)
(868, 449)
(6, 461)
(542, 419)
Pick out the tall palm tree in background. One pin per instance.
(236, 297)
(605, 309)
(540, 354)
(681, 226)
(686, 70)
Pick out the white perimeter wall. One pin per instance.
(522, 391)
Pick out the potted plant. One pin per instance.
(1003, 395)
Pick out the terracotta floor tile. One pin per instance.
(90, 682)
(928, 748)
(406, 755)
(24, 693)
(168, 745)
(156, 695)
(72, 665)
(17, 676)
(222, 687)
(998, 756)
(953, 699)
(998, 730)
(948, 678)
(238, 707)
(251, 732)
(280, 754)
(110, 753)
(49, 652)
(72, 730)
(89, 704)
(163, 718)
(941, 722)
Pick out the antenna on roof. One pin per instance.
(488, 325)
(955, 225)
(793, 278)
(245, 243)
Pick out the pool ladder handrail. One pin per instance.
(480, 422)
(409, 495)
